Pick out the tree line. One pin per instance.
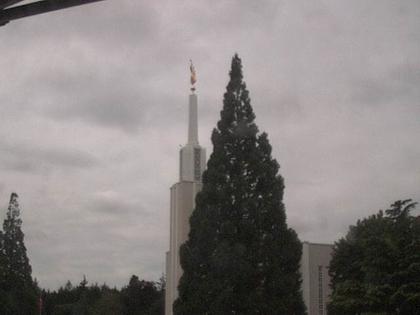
(139, 297)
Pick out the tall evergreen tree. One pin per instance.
(3, 276)
(241, 257)
(17, 280)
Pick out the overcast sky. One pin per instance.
(93, 109)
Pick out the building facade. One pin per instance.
(182, 201)
(314, 266)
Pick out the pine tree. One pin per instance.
(240, 258)
(17, 280)
(3, 276)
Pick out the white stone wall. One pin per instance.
(182, 205)
(315, 278)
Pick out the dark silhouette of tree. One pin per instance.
(139, 296)
(241, 257)
(158, 307)
(376, 267)
(3, 276)
(18, 288)
(108, 303)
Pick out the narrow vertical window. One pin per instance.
(197, 164)
(181, 171)
(320, 291)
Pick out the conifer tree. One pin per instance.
(240, 257)
(3, 275)
(16, 281)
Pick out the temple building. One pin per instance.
(182, 201)
(314, 266)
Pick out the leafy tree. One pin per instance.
(109, 303)
(375, 269)
(158, 306)
(139, 296)
(241, 257)
(19, 290)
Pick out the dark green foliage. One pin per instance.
(140, 297)
(3, 275)
(158, 306)
(69, 300)
(240, 258)
(18, 290)
(109, 303)
(376, 268)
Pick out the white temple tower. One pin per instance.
(316, 281)
(192, 164)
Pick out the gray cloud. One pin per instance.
(106, 109)
(114, 205)
(28, 157)
(400, 85)
(93, 107)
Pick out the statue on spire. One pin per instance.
(193, 78)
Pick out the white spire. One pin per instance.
(193, 156)
(193, 120)
(191, 166)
